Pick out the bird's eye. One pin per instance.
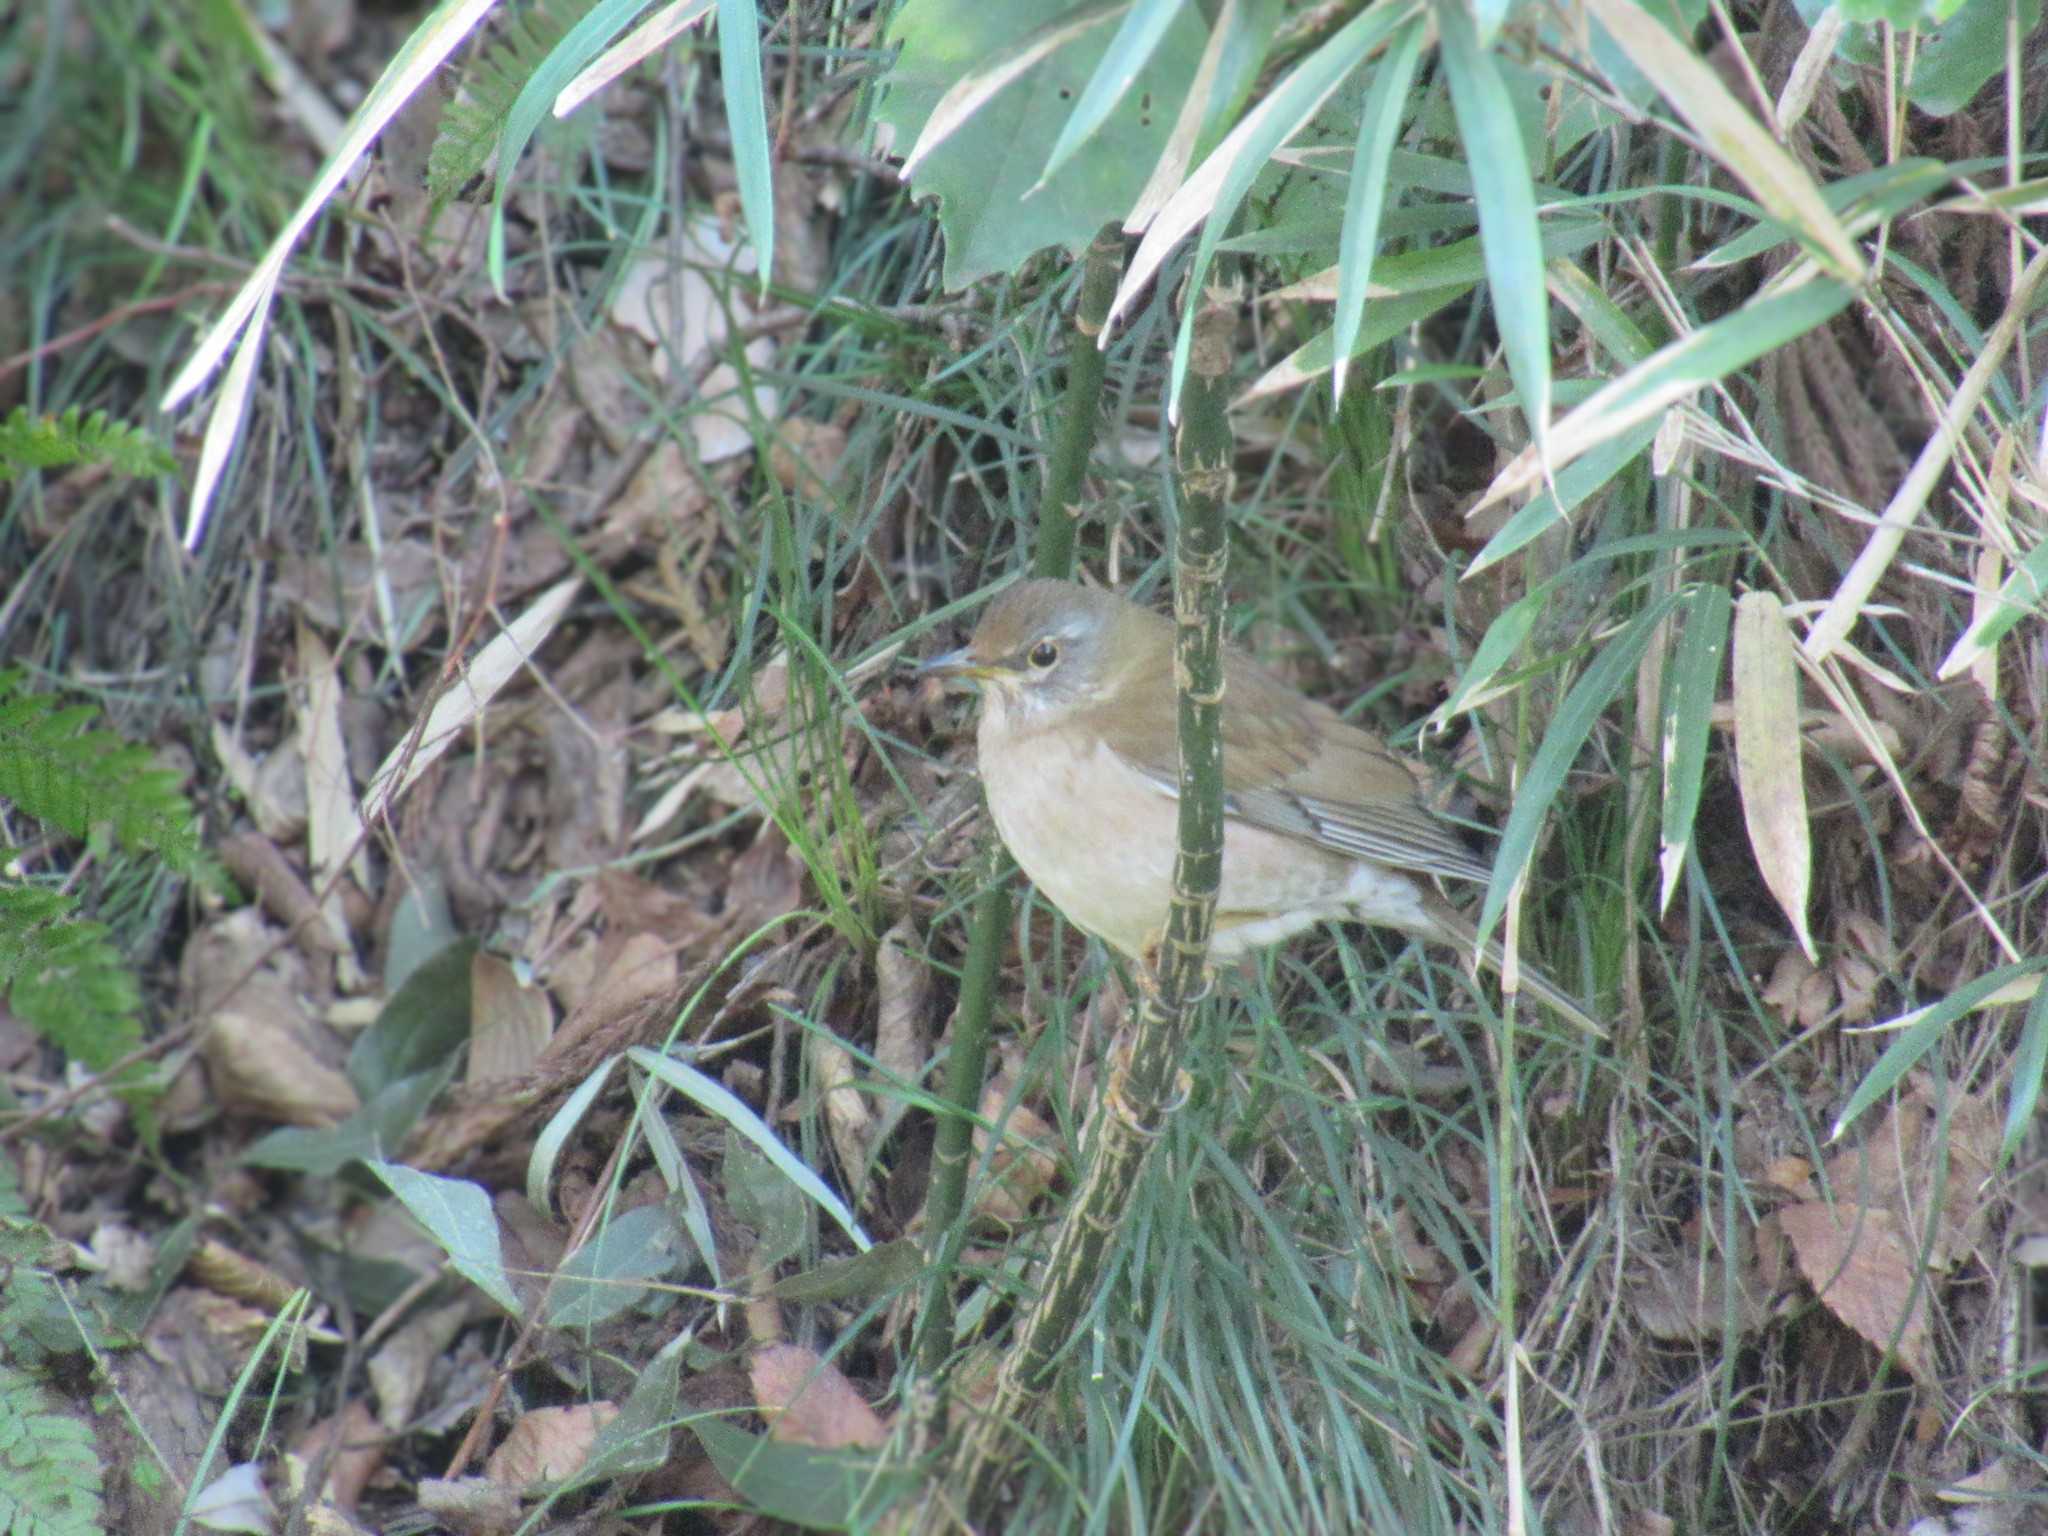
(1044, 654)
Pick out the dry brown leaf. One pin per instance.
(1686, 1297)
(358, 1452)
(398, 1370)
(509, 1023)
(333, 829)
(265, 1054)
(1894, 1168)
(1798, 990)
(1767, 767)
(903, 990)
(1024, 1166)
(470, 1506)
(849, 1117)
(804, 455)
(806, 1400)
(546, 1445)
(1864, 1271)
(1794, 1175)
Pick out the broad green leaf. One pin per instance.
(1507, 215)
(376, 1130)
(1129, 51)
(819, 1490)
(1690, 687)
(608, 1274)
(458, 1216)
(1496, 648)
(423, 1024)
(985, 169)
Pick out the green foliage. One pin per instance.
(49, 1472)
(65, 977)
(471, 125)
(29, 441)
(992, 167)
(82, 780)
(63, 974)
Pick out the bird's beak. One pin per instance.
(960, 663)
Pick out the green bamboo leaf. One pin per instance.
(583, 43)
(1574, 483)
(1136, 40)
(1612, 671)
(1219, 184)
(746, 119)
(2029, 1066)
(1673, 373)
(2020, 597)
(1917, 1039)
(1731, 133)
(1366, 197)
(1688, 717)
(1507, 215)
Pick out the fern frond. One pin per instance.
(49, 442)
(50, 1476)
(80, 779)
(472, 123)
(66, 979)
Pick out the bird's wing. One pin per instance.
(1294, 767)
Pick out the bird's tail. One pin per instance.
(1454, 928)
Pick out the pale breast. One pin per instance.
(1097, 838)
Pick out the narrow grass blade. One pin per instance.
(711, 1095)
(1904, 1053)
(2029, 1066)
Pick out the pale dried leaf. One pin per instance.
(333, 830)
(1864, 1272)
(1767, 766)
(849, 1119)
(510, 1023)
(398, 1370)
(806, 1400)
(463, 701)
(546, 1445)
(471, 1506)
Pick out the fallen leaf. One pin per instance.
(1864, 1271)
(1768, 771)
(806, 1400)
(546, 1445)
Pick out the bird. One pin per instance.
(1078, 752)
